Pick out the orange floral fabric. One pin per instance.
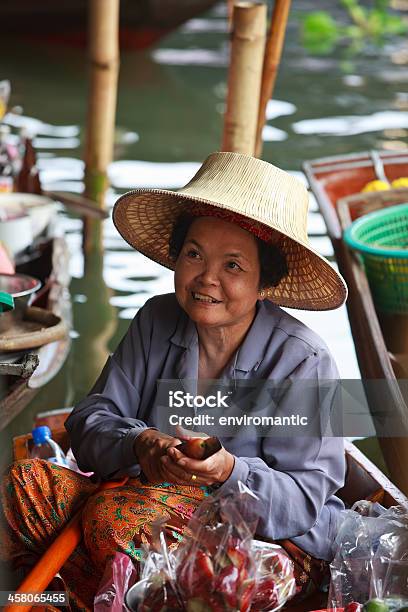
(39, 498)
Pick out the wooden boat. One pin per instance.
(141, 23)
(333, 182)
(47, 261)
(332, 178)
(24, 217)
(363, 481)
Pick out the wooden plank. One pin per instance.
(15, 401)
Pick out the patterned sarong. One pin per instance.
(39, 498)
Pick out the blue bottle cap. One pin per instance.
(41, 434)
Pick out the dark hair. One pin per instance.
(271, 259)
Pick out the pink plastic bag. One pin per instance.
(119, 575)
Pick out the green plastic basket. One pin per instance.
(381, 238)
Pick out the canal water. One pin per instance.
(170, 112)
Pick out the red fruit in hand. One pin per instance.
(200, 448)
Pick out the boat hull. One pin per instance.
(336, 183)
(50, 265)
(142, 23)
(333, 178)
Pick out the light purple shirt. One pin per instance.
(294, 477)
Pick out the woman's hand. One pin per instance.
(214, 470)
(150, 446)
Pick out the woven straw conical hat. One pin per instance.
(271, 203)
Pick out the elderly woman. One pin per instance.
(236, 238)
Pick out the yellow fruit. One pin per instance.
(375, 186)
(400, 182)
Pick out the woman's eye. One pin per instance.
(232, 265)
(192, 253)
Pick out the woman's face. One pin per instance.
(217, 274)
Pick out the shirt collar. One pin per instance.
(185, 334)
(251, 352)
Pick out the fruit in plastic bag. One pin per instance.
(219, 567)
(206, 603)
(160, 597)
(222, 582)
(196, 573)
(354, 606)
(375, 605)
(275, 582)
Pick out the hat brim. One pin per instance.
(145, 219)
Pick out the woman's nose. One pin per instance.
(209, 275)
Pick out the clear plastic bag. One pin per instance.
(275, 581)
(119, 575)
(216, 569)
(157, 589)
(371, 557)
(219, 567)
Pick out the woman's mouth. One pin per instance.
(201, 297)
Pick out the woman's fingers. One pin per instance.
(174, 470)
(199, 466)
(192, 466)
(174, 442)
(175, 454)
(152, 469)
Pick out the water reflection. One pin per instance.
(192, 57)
(351, 125)
(95, 323)
(35, 126)
(126, 174)
(205, 26)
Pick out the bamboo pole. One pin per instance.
(273, 52)
(104, 64)
(230, 8)
(244, 78)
